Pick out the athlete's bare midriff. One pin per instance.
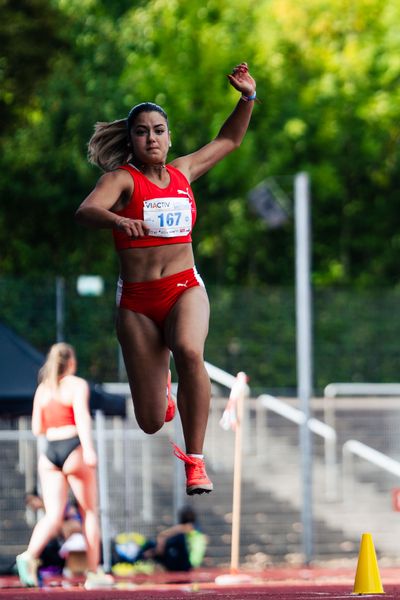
(147, 264)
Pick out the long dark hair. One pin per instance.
(109, 147)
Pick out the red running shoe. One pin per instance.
(197, 481)
(171, 406)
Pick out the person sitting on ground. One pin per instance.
(180, 547)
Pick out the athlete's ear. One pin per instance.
(170, 143)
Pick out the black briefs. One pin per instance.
(58, 450)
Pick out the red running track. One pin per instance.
(272, 584)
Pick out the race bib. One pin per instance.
(168, 217)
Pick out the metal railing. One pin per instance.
(117, 435)
(297, 416)
(319, 428)
(333, 390)
(353, 448)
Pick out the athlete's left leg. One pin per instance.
(185, 331)
(55, 493)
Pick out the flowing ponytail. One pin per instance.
(108, 147)
(56, 364)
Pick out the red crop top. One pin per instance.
(57, 414)
(169, 212)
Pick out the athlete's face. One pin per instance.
(150, 138)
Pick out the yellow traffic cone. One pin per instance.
(368, 579)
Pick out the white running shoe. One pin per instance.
(98, 579)
(27, 569)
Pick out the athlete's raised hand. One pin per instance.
(241, 80)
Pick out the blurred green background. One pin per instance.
(328, 79)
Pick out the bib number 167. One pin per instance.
(169, 219)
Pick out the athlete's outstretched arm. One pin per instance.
(231, 133)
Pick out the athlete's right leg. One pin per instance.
(82, 479)
(146, 360)
(54, 492)
(83, 482)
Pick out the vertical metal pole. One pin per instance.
(147, 483)
(304, 349)
(21, 446)
(103, 490)
(178, 471)
(129, 496)
(60, 308)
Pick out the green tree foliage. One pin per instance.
(334, 70)
(30, 36)
(327, 75)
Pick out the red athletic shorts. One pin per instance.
(155, 298)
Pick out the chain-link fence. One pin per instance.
(356, 332)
